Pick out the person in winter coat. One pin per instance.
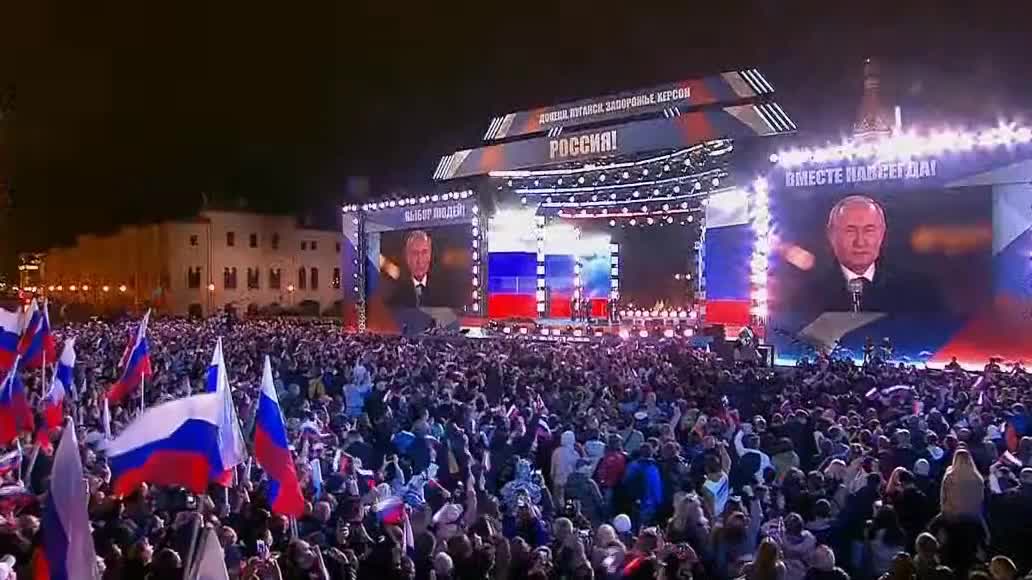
(644, 485)
(564, 462)
(797, 547)
(610, 470)
(581, 488)
(963, 489)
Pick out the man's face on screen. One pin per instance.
(856, 234)
(417, 256)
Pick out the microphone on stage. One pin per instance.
(856, 288)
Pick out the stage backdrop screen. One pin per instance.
(423, 278)
(913, 266)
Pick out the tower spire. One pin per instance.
(871, 121)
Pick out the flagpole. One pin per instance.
(32, 464)
(143, 394)
(21, 460)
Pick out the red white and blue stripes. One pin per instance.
(36, 345)
(10, 461)
(10, 333)
(67, 551)
(137, 366)
(62, 384)
(15, 414)
(272, 453)
(176, 443)
(231, 440)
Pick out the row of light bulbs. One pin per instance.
(638, 313)
(407, 201)
(906, 144)
(82, 287)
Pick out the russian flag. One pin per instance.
(234, 451)
(15, 413)
(10, 461)
(10, 333)
(175, 443)
(60, 386)
(211, 379)
(390, 511)
(67, 552)
(36, 345)
(270, 449)
(136, 367)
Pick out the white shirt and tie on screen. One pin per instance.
(420, 285)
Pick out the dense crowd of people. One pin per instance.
(523, 459)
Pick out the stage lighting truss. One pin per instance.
(759, 218)
(478, 249)
(614, 272)
(578, 293)
(408, 201)
(539, 223)
(906, 145)
(598, 178)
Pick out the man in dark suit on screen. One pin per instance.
(862, 279)
(416, 287)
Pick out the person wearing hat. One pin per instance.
(564, 462)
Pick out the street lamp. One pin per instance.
(211, 287)
(85, 287)
(122, 288)
(105, 288)
(290, 288)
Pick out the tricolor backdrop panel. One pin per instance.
(727, 254)
(512, 284)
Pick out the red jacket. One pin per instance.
(610, 470)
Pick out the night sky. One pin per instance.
(128, 111)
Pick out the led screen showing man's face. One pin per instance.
(856, 230)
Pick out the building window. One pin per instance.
(304, 246)
(252, 278)
(337, 247)
(302, 281)
(313, 245)
(230, 239)
(253, 240)
(229, 278)
(193, 240)
(193, 278)
(336, 279)
(315, 278)
(274, 278)
(275, 241)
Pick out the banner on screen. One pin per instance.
(430, 215)
(685, 130)
(725, 88)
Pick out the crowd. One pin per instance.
(521, 459)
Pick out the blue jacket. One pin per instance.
(644, 482)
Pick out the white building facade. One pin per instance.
(246, 261)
